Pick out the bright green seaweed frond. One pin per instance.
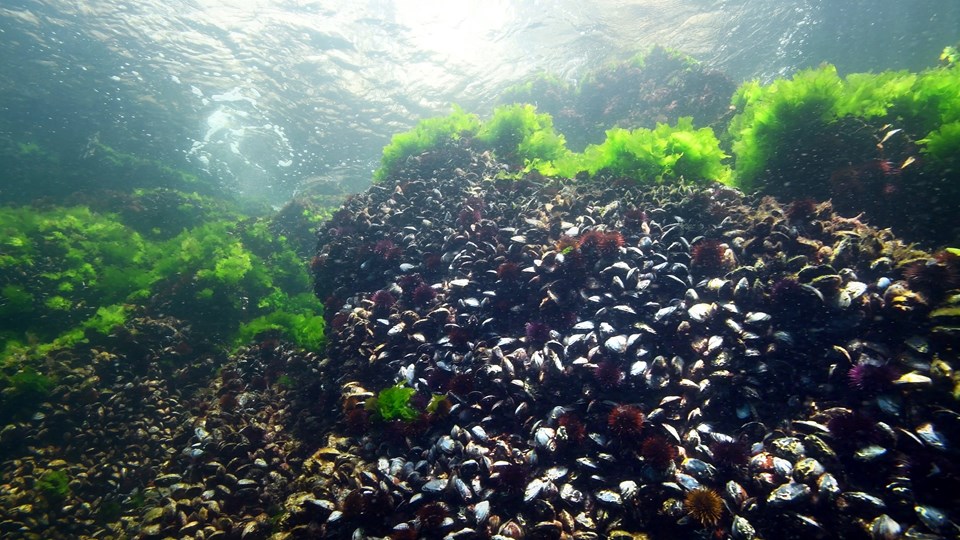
(427, 134)
(664, 154)
(518, 134)
(767, 113)
(394, 403)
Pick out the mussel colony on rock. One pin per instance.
(622, 361)
(586, 360)
(157, 438)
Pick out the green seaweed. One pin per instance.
(518, 135)
(942, 146)
(664, 154)
(54, 486)
(304, 327)
(769, 115)
(773, 118)
(885, 144)
(950, 55)
(393, 403)
(72, 273)
(428, 134)
(525, 139)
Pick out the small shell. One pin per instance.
(534, 488)
(885, 528)
(931, 436)
(757, 318)
(741, 529)
(827, 486)
(616, 344)
(807, 470)
(870, 453)
(609, 497)
(789, 494)
(545, 437)
(934, 519)
(481, 511)
(862, 500)
(702, 312)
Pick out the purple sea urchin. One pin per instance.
(608, 374)
(872, 378)
(708, 255)
(730, 454)
(537, 332)
(423, 295)
(383, 300)
(626, 422)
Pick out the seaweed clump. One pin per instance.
(884, 143)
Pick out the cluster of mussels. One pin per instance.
(154, 434)
(604, 360)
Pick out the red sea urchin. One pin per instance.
(601, 243)
(704, 505)
(511, 477)
(730, 454)
(658, 451)
(708, 255)
(423, 295)
(431, 515)
(383, 300)
(575, 431)
(509, 271)
(625, 422)
(852, 428)
(801, 209)
(608, 374)
(409, 282)
(933, 277)
(386, 249)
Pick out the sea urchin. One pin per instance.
(704, 505)
(625, 422)
(658, 451)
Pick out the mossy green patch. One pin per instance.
(771, 118)
(393, 403)
(525, 139)
(54, 486)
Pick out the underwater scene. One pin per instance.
(545, 269)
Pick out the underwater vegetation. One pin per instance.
(72, 274)
(54, 485)
(428, 134)
(658, 86)
(600, 344)
(51, 169)
(674, 359)
(661, 155)
(885, 143)
(518, 134)
(393, 403)
(526, 140)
